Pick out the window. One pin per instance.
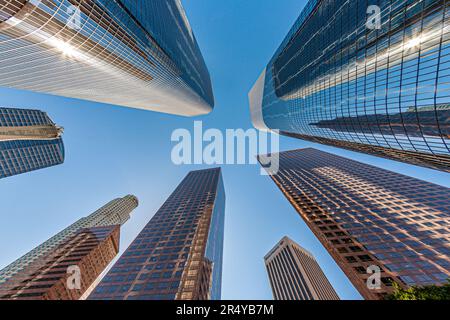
(365, 258)
(387, 281)
(361, 270)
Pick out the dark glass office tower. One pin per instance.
(140, 54)
(29, 140)
(344, 78)
(368, 218)
(178, 255)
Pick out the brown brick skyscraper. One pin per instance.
(178, 254)
(53, 277)
(117, 211)
(366, 216)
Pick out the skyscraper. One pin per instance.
(69, 270)
(29, 140)
(347, 77)
(178, 254)
(294, 274)
(370, 219)
(116, 212)
(140, 54)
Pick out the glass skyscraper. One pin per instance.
(115, 212)
(29, 140)
(379, 84)
(369, 218)
(178, 255)
(140, 54)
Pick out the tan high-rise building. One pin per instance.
(376, 224)
(294, 274)
(67, 272)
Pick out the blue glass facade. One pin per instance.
(178, 255)
(13, 117)
(379, 89)
(214, 244)
(22, 149)
(140, 54)
(167, 22)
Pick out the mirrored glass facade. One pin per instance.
(29, 140)
(178, 255)
(378, 84)
(140, 54)
(366, 216)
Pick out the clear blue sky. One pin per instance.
(113, 151)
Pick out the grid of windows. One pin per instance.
(12, 117)
(119, 52)
(294, 274)
(178, 254)
(366, 216)
(116, 212)
(91, 250)
(18, 157)
(381, 91)
(29, 141)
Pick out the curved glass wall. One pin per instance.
(140, 54)
(383, 91)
